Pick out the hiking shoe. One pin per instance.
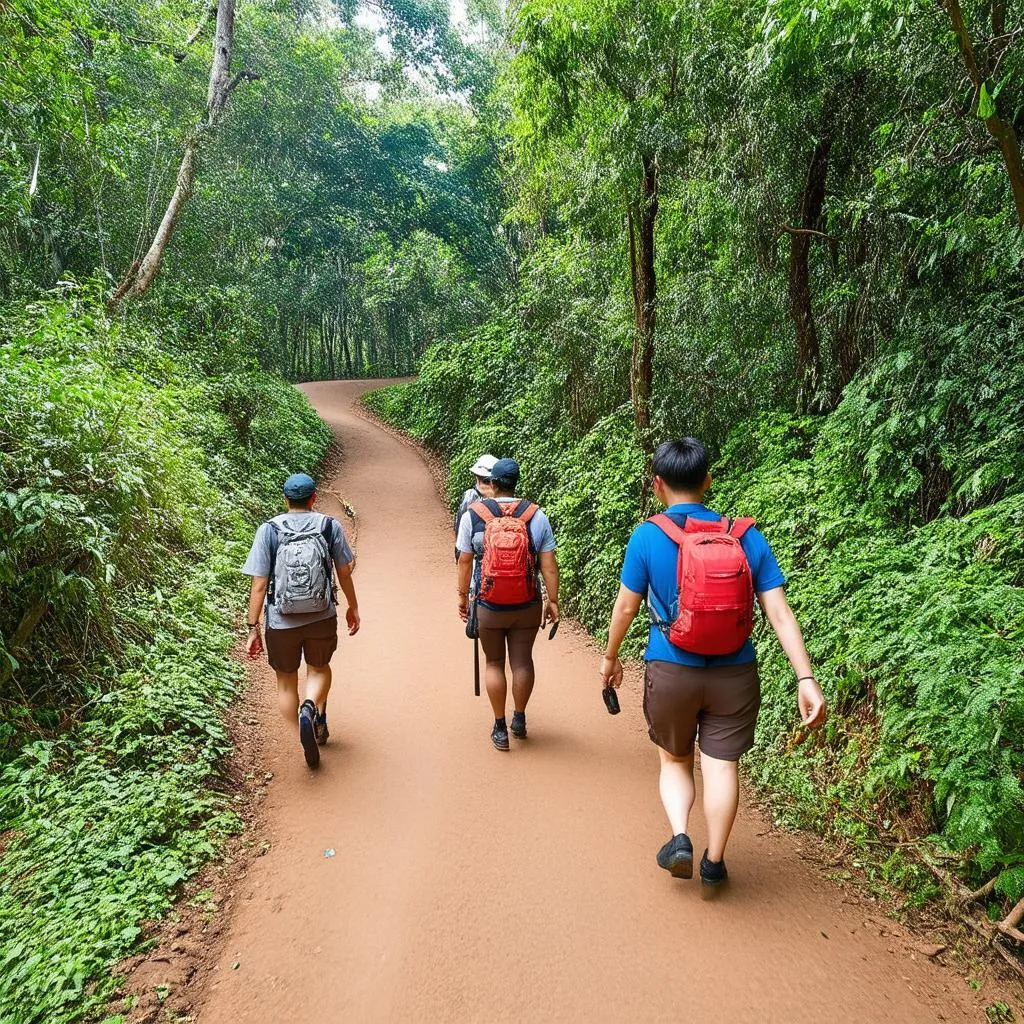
(518, 728)
(676, 856)
(499, 737)
(307, 733)
(713, 877)
(320, 731)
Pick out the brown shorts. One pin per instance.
(317, 641)
(519, 618)
(715, 706)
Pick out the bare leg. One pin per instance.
(493, 643)
(520, 656)
(288, 696)
(721, 800)
(318, 685)
(677, 789)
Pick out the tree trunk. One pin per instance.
(143, 272)
(1000, 130)
(641, 217)
(808, 344)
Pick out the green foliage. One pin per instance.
(130, 486)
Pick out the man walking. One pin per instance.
(481, 471)
(292, 563)
(699, 574)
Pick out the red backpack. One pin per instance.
(716, 589)
(508, 570)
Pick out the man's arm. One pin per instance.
(810, 699)
(465, 574)
(348, 588)
(549, 570)
(257, 595)
(627, 606)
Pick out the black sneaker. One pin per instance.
(320, 731)
(518, 728)
(307, 733)
(676, 856)
(713, 877)
(499, 737)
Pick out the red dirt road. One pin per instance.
(470, 885)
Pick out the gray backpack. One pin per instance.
(302, 577)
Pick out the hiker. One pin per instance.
(701, 681)
(292, 564)
(510, 539)
(481, 469)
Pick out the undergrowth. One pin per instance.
(133, 473)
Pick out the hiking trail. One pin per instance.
(469, 885)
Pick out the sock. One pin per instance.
(499, 723)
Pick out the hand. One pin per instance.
(254, 643)
(464, 607)
(811, 702)
(352, 618)
(550, 613)
(611, 672)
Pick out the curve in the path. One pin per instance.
(469, 885)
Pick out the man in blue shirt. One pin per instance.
(713, 700)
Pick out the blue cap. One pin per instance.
(506, 470)
(299, 486)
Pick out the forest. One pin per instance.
(791, 229)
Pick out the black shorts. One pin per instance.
(316, 641)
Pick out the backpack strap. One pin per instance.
(272, 542)
(487, 509)
(525, 510)
(740, 526)
(673, 531)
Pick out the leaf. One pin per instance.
(986, 104)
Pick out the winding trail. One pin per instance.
(469, 885)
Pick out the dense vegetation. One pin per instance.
(322, 225)
(791, 230)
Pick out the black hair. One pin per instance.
(506, 484)
(682, 464)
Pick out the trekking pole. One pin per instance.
(476, 666)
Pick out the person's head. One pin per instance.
(300, 491)
(681, 471)
(505, 478)
(481, 471)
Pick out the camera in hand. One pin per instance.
(611, 700)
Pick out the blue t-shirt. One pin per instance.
(649, 568)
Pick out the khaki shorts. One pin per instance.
(717, 707)
(316, 641)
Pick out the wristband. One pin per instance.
(253, 625)
(803, 679)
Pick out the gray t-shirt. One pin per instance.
(541, 534)
(259, 563)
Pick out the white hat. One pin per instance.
(484, 465)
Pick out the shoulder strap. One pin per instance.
(740, 526)
(487, 509)
(525, 510)
(272, 543)
(670, 529)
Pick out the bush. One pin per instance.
(131, 486)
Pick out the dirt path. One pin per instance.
(469, 885)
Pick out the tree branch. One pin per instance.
(790, 230)
(242, 76)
